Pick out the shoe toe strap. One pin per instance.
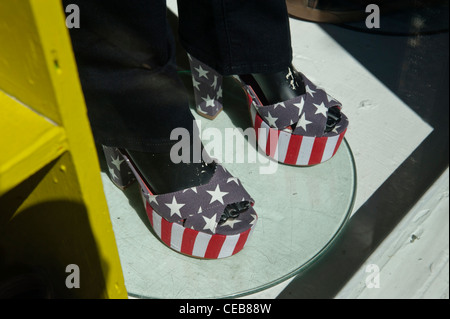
(202, 207)
(210, 221)
(308, 113)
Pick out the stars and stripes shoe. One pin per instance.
(213, 220)
(304, 130)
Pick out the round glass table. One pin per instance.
(301, 211)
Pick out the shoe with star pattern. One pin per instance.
(295, 121)
(210, 220)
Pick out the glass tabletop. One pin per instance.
(301, 211)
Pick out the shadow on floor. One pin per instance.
(414, 67)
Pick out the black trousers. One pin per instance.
(125, 54)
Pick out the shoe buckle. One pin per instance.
(233, 210)
(334, 117)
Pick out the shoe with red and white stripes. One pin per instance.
(304, 130)
(295, 132)
(212, 220)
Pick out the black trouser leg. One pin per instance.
(235, 36)
(126, 62)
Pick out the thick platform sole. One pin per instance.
(195, 243)
(280, 145)
(293, 149)
(184, 240)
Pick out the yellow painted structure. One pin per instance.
(53, 211)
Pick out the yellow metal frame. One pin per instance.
(53, 210)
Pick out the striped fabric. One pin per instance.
(294, 149)
(195, 243)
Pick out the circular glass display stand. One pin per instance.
(301, 211)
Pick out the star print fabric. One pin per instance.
(117, 167)
(308, 112)
(207, 84)
(201, 207)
